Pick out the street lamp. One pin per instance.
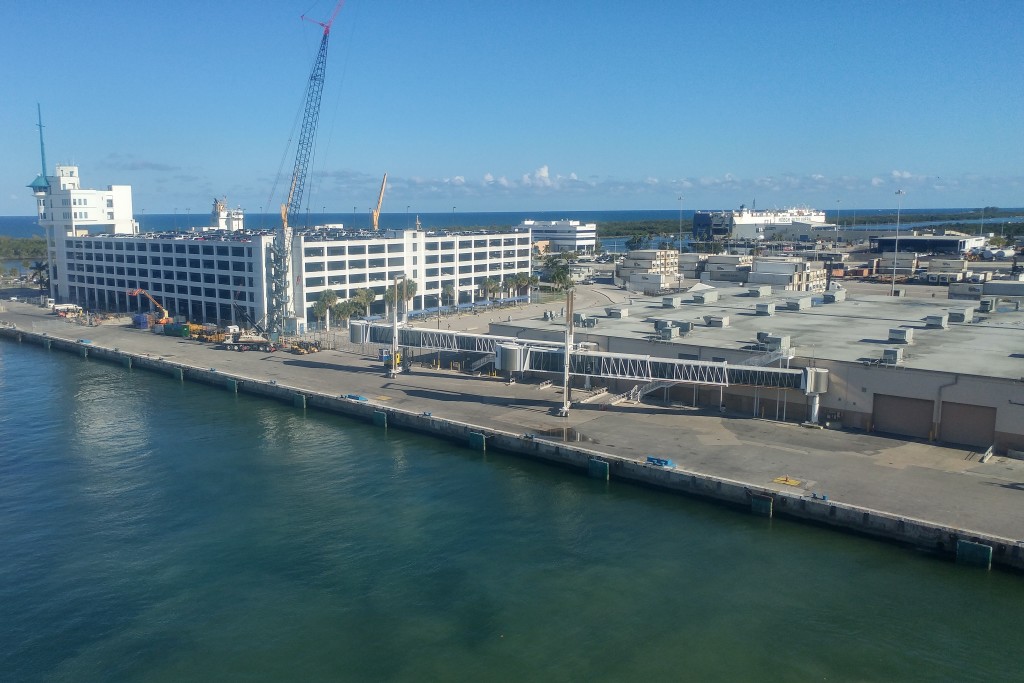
(188, 217)
(453, 216)
(896, 254)
(406, 216)
(353, 218)
(680, 223)
(261, 216)
(836, 238)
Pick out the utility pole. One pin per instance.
(566, 398)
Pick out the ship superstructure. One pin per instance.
(750, 224)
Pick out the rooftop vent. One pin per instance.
(892, 356)
(901, 335)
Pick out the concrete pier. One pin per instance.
(888, 489)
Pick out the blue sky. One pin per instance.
(522, 106)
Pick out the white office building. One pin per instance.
(563, 235)
(220, 274)
(64, 209)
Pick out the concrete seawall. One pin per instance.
(967, 546)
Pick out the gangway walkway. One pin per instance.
(545, 356)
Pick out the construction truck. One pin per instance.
(245, 340)
(301, 348)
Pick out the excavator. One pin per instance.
(163, 318)
(380, 200)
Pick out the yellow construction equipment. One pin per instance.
(380, 200)
(161, 311)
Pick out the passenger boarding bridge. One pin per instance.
(512, 354)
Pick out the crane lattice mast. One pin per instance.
(280, 284)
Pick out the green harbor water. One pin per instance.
(158, 531)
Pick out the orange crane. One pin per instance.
(161, 311)
(380, 201)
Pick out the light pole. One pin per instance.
(353, 218)
(261, 217)
(453, 216)
(141, 217)
(175, 218)
(406, 216)
(896, 254)
(188, 217)
(680, 223)
(836, 239)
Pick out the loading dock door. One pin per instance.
(967, 424)
(903, 416)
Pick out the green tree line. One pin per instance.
(22, 248)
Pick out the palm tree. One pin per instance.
(362, 300)
(344, 310)
(448, 292)
(41, 274)
(490, 287)
(326, 302)
(406, 292)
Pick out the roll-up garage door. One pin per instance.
(903, 416)
(966, 424)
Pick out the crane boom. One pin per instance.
(380, 201)
(280, 307)
(159, 307)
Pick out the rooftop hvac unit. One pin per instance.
(662, 324)
(705, 297)
(716, 320)
(937, 321)
(684, 327)
(777, 342)
(987, 305)
(835, 296)
(762, 337)
(764, 290)
(670, 302)
(892, 356)
(961, 315)
(617, 312)
(765, 309)
(801, 304)
(668, 332)
(901, 335)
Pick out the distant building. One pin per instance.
(564, 235)
(218, 273)
(64, 209)
(749, 224)
(649, 270)
(929, 244)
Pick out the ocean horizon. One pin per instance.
(28, 226)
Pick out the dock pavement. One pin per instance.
(943, 485)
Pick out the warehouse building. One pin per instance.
(940, 370)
